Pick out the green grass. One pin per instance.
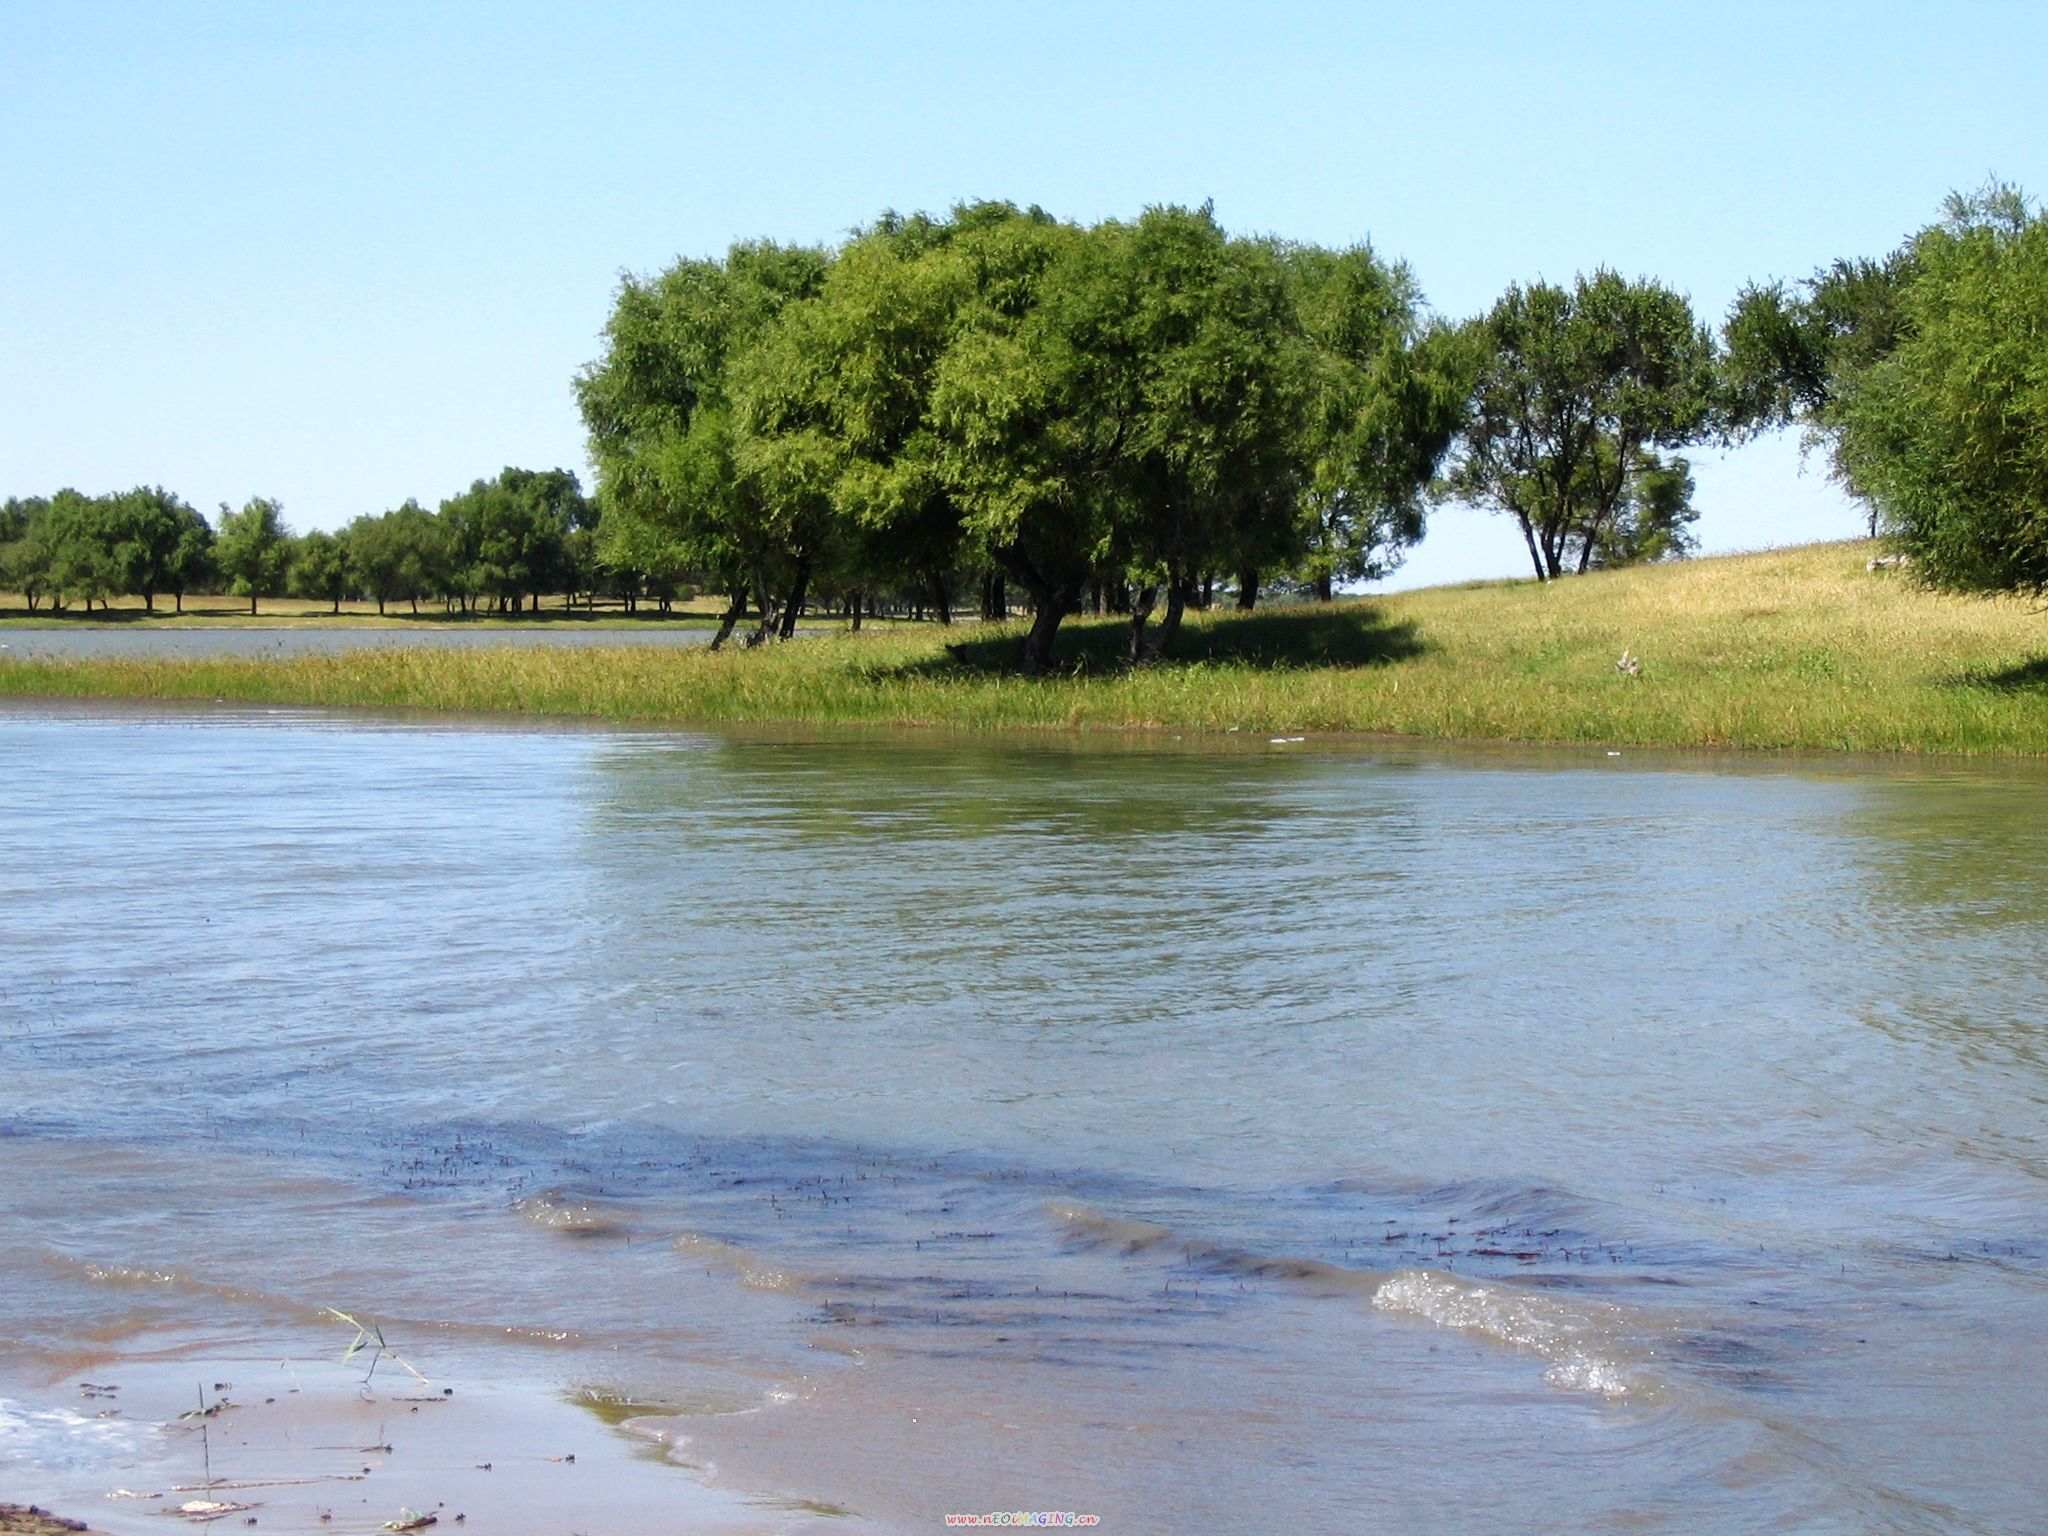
(1800, 648)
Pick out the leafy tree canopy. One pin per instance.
(1573, 384)
(1948, 431)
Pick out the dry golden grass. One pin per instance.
(1798, 648)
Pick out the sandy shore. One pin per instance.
(306, 1446)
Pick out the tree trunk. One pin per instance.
(148, 601)
(766, 627)
(855, 606)
(942, 600)
(1148, 648)
(1035, 656)
(1208, 590)
(1247, 590)
(252, 605)
(1141, 610)
(734, 612)
(1325, 587)
(1178, 595)
(181, 602)
(1529, 538)
(797, 590)
(337, 606)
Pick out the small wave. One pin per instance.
(162, 1277)
(1086, 1227)
(1588, 1347)
(60, 1438)
(570, 1216)
(133, 1274)
(753, 1271)
(152, 1277)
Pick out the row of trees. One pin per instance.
(1141, 409)
(1136, 409)
(504, 542)
(143, 541)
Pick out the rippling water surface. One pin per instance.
(1260, 1139)
(64, 641)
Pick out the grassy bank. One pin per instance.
(1793, 649)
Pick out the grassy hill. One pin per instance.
(1800, 648)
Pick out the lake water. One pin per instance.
(1281, 1138)
(23, 643)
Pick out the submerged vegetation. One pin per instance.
(1795, 649)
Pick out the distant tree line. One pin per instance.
(499, 545)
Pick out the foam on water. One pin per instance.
(57, 1438)
(554, 1211)
(749, 1268)
(1588, 1346)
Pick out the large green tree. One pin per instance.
(1573, 385)
(1794, 353)
(1205, 348)
(320, 567)
(77, 534)
(25, 547)
(253, 549)
(506, 534)
(1135, 408)
(659, 407)
(1948, 433)
(191, 562)
(151, 540)
(1384, 396)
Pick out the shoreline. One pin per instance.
(1800, 650)
(305, 1446)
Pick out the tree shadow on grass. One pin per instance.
(97, 617)
(1351, 635)
(2027, 677)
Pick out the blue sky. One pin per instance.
(346, 254)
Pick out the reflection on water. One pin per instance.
(1260, 1136)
